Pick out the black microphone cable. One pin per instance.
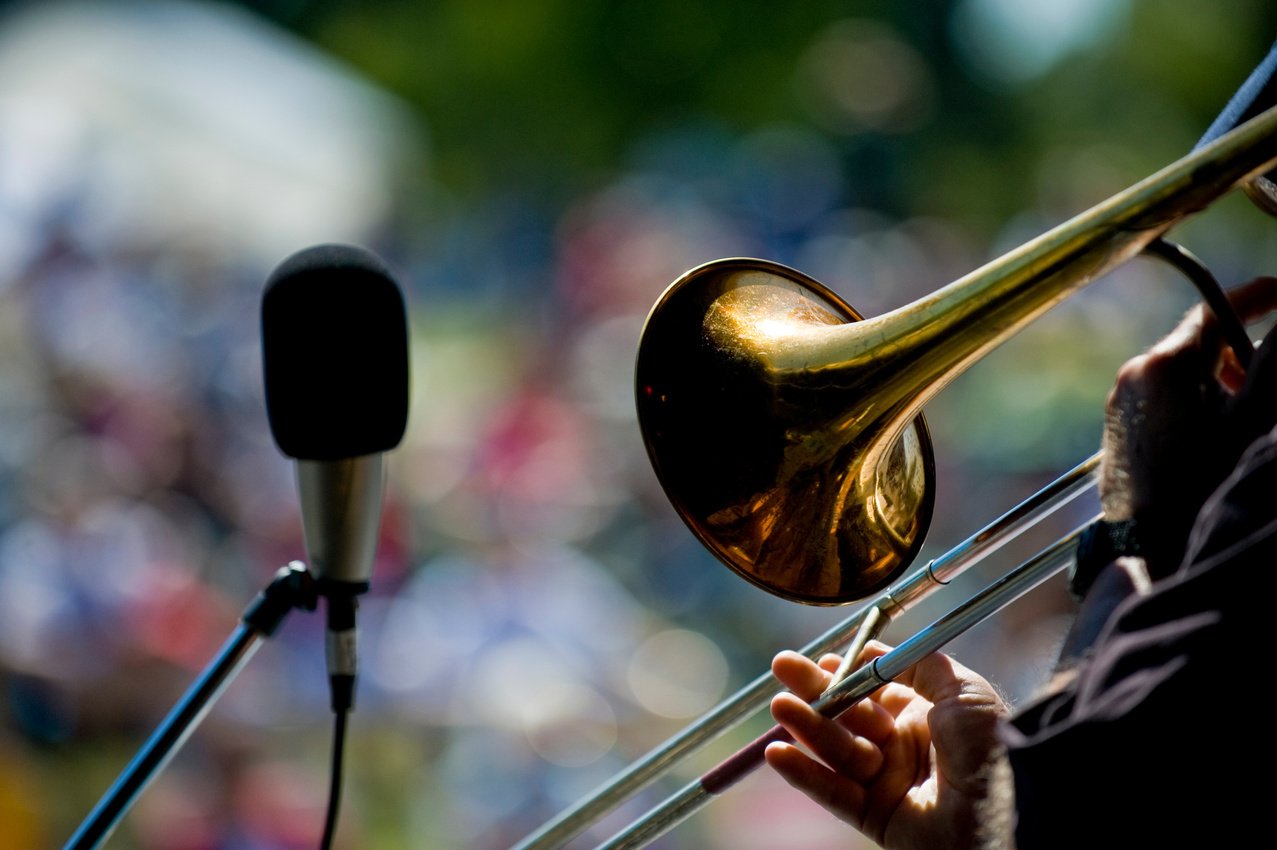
(335, 774)
(335, 365)
(341, 659)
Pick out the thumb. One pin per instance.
(964, 718)
(938, 677)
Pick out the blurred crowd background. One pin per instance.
(536, 173)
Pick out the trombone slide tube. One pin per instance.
(748, 358)
(744, 703)
(860, 684)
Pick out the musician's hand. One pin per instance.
(1172, 429)
(907, 767)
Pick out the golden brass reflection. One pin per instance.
(787, 430)
(763, 451)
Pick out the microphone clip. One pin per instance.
(292, 588)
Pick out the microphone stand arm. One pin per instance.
(293, 587)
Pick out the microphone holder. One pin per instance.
(293, 587)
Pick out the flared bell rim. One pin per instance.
(700, 283)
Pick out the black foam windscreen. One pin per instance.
(334, 354)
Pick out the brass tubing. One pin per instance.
(787, 431)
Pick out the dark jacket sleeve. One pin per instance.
(1163, 738)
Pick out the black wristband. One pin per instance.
(1102, 543)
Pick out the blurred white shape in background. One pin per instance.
(1013, 42)
(190, 125)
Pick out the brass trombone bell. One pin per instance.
(754, 382)
(787, 431)
(769, 465)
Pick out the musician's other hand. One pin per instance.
(1177, 419)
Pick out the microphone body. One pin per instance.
(335, 364)
(341, 516)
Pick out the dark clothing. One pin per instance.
(1163, 739)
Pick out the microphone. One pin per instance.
(335, 367)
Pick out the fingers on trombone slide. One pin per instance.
(847, 743)
(812, 679)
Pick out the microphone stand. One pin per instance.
(292, 587)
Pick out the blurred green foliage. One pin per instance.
(554, 93)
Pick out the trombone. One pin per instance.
(748, 359)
